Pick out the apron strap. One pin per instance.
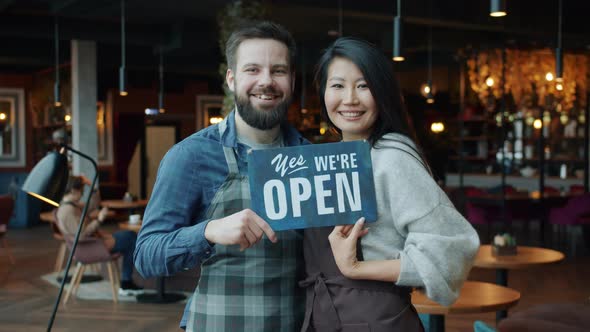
(325, 302)
(229, 153)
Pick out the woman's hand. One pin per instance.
(343, 240)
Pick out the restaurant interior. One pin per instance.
(497, 92)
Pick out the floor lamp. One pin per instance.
(47, 182)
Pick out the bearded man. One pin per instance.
(198, 214)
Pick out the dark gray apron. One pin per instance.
(336, 303)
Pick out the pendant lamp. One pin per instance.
(498, 8)
(397, 34)
(430, 92)
(559, 49)
(122, 78)
(161, 108)
(56, 84)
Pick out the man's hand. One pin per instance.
(343, 241)
(244, 228)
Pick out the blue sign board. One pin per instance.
(313, 185)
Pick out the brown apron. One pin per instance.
(336, 303)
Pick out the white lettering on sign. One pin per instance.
(354, 196)
(348, 195)
(321, 194)
(285, 164)
(269, 203)
(298, 196)
(335, 162)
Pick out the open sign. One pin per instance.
(313, 185)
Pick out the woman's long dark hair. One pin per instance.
(392, 116)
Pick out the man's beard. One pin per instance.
(262, 119)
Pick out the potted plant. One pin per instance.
(504, 245)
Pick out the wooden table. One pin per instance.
(119, 204)
(475, 297)
(525, 257)
(49, 218)
(126, 225)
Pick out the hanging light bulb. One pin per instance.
(397, 34)
(437, 127)
(122, 78)
(490, 81)
(538, 124)
(559, 86)
(549, 76)
(430, 99)
(497, 8)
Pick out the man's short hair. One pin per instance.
(261, 30)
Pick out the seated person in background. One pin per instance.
(123, 242)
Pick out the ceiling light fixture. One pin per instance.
(122, 78)
(161, 92)
(332, 32)
(397, 34)
(559, 50)
(340, 18)
(497, 8)
(56, 84)
(430, 92)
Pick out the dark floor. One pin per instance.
(26, 301)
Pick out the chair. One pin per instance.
(575, 213)
(551, 190)
(61, 253)
(577, 189)
(478, 214)
(6, 208)
(92, 251)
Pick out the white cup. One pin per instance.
(134, 219)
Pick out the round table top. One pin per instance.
(130, 227)
(46, 216)
(49, 218)
(475, 297)
(525, 257)
(121, 204)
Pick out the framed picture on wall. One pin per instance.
(12, 128)
(208, 110)
(104, 130)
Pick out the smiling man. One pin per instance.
(199, 215)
